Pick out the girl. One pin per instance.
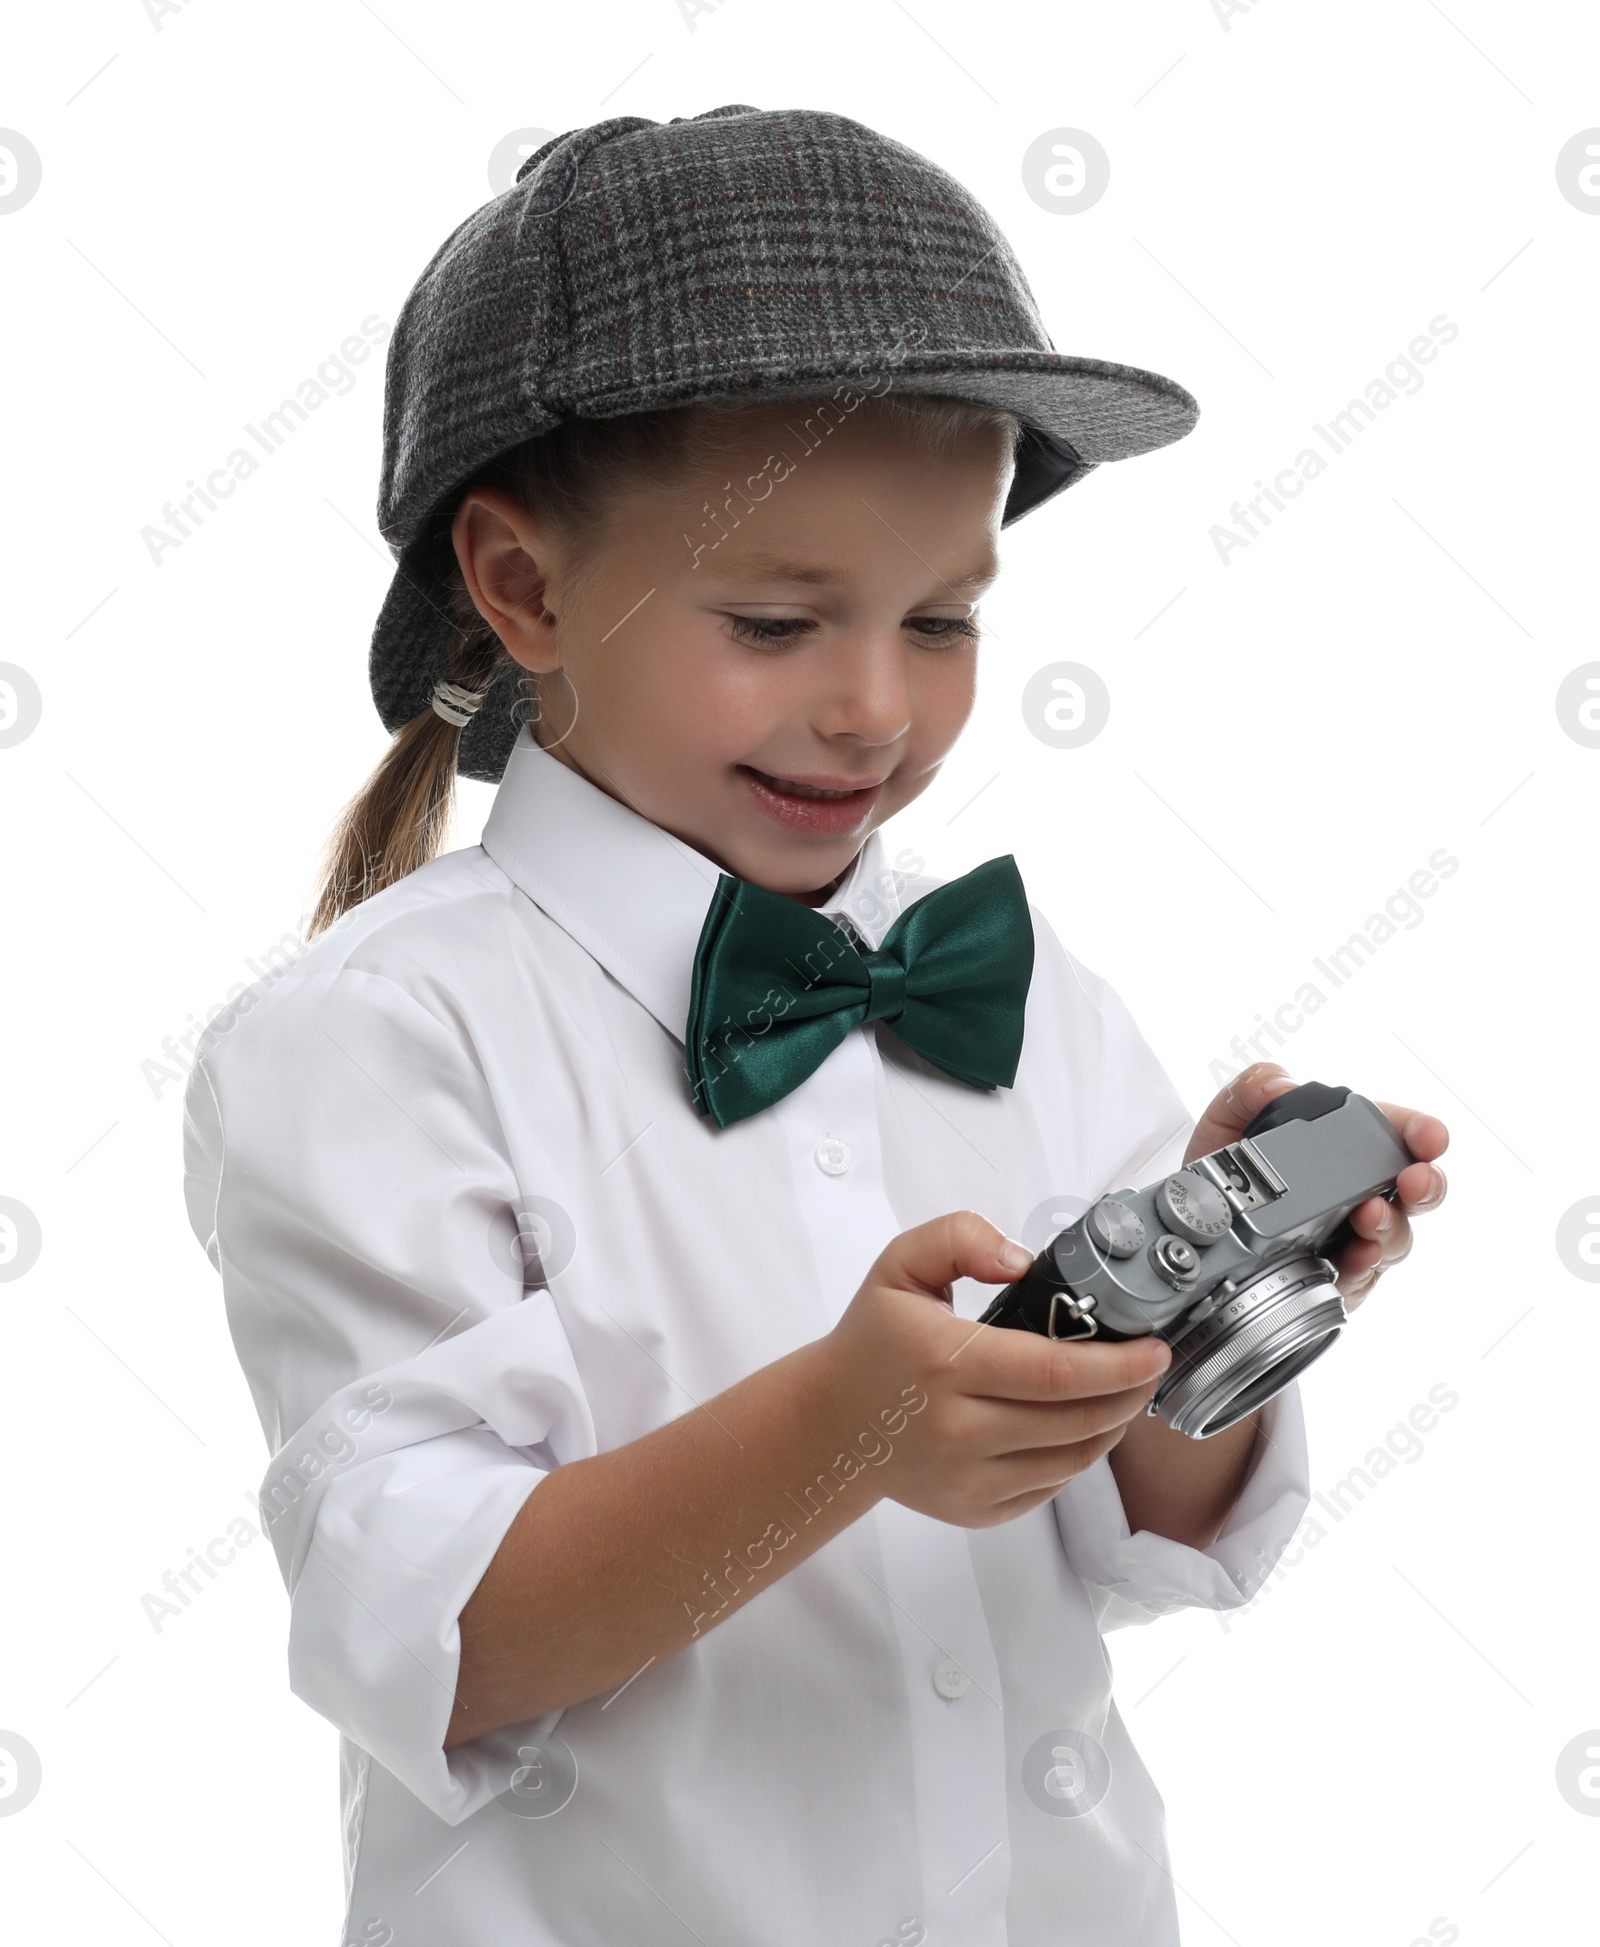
(597, 1207)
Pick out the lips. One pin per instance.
(828, 805)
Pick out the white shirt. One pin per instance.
(911, 1735)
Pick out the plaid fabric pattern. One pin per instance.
(739, 253)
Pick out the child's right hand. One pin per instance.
(1010, 1416)
(622, 1558)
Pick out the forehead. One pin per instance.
(811, 436)
(774, 498)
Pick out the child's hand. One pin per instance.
(1383, 1229)
(1008, 1417)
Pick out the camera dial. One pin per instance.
(1194, 1208)
(1118, 1230)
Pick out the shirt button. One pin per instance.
(833, 1156)
(950, 1680)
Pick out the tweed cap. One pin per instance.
(748, 254)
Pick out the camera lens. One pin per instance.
(1242, 1354)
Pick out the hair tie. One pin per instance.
(455, 704)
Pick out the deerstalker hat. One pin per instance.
(743, 253)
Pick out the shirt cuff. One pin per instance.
(1134, 1578)
(398, 1545)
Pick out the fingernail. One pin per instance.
(1279, 1084)
(1015, 1257)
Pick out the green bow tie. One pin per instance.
(778, 985)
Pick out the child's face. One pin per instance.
(826, 641)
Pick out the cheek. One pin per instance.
(942, 697)
(676, 699)
(639, 680)
(737, 700)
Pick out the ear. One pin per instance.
(509, 562)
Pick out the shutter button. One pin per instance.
(833, 1156)
(950, 1680)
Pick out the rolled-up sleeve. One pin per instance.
(1143, 1131)
(1136, 1577)
(347, 1175)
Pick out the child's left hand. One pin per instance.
(1383, 1229)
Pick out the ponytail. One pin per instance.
(401, 816)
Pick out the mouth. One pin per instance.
(813, 804)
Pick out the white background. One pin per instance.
(1294, 195)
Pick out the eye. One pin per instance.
(769, 628)
(948, 627)
(790, 628)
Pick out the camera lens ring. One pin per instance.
(1244, 1354)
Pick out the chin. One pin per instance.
(805, 877)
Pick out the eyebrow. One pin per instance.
(767, 567)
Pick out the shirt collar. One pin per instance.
(633, 896)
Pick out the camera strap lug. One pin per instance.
(1079, 1310)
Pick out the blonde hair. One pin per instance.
(400, 817)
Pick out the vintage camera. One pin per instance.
(1224, 1260)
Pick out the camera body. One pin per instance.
(1225, 1259)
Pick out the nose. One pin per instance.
(865, 688)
